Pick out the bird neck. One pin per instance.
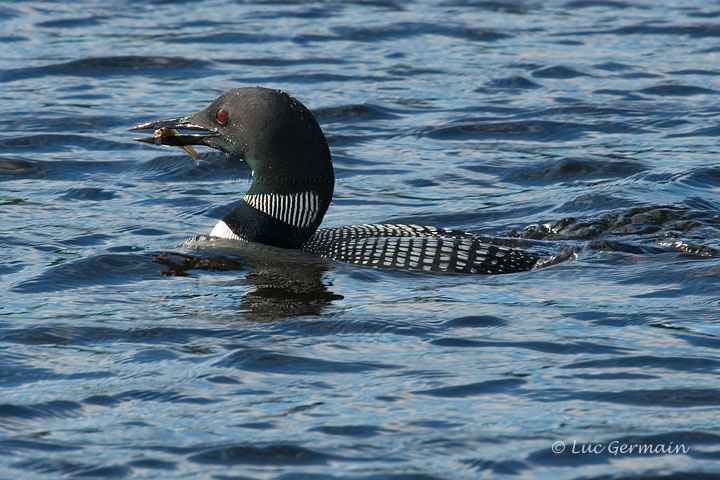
(282, 210)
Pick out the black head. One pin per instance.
(273, 132)
(286, 149)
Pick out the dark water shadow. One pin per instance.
(284, 283)
(95, 67)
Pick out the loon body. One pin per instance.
(292, 187)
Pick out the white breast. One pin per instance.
(223, 231)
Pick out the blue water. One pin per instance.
(131, 349)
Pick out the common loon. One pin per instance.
(292, 187)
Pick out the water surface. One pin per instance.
(129, 351)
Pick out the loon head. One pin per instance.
(284, 146)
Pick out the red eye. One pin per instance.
(221, 116)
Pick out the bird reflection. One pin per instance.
(284, 284)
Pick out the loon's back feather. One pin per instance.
(415, 247)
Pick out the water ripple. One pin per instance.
(277, 454)
(257, 360)
(472, 389)
(104, 66)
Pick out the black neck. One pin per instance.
(285, 216)
(293, 177)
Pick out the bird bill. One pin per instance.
(167, 132)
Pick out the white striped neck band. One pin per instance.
(296, 209)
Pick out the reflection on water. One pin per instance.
(283, 284)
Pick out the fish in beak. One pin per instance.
(166, 133)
